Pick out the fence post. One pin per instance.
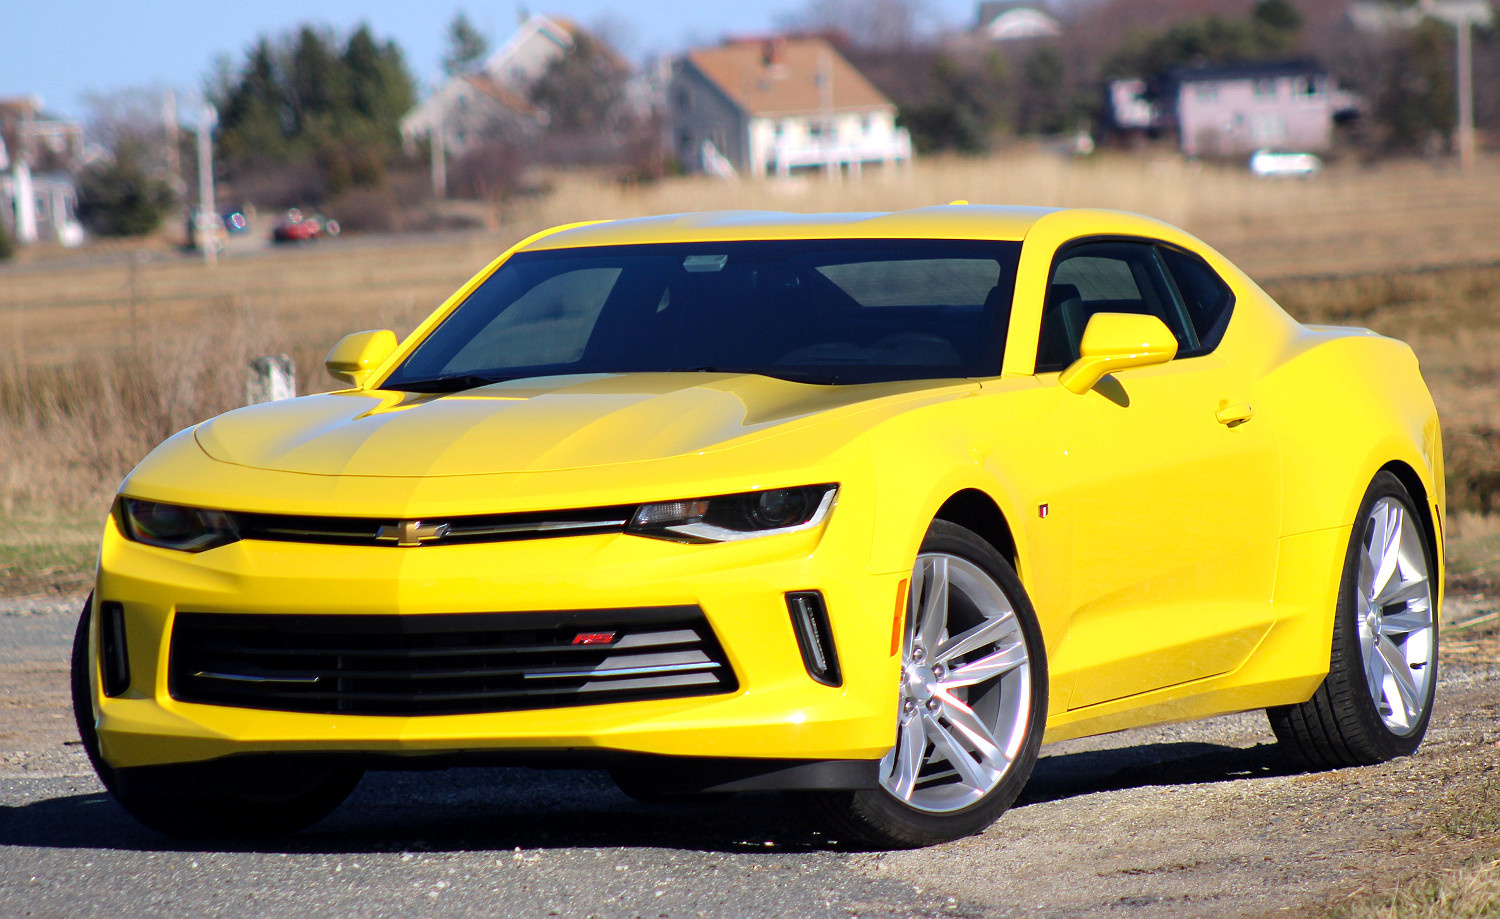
(271, 379)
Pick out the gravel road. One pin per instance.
(1197, 820)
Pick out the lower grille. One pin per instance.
(445, 664)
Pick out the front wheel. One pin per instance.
(1375, 703)
(972, 704)
(267, 800)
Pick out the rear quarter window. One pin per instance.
(1208, 299)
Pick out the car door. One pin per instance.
(1177, 484)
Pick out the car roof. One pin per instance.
(952, 221)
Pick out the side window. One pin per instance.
(1105, 277)
(1208, 300)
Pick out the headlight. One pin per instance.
(172, 526)
(731, 517)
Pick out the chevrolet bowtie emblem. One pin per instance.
(411, 533)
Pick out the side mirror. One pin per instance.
(357, 355)
(1115, 341)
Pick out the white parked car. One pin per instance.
(1267, 162)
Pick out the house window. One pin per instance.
(866, 124)
(780, 128)
(684, 100)
(1265, 89)
(1307, 87)
(815, 129)
(1206, 92)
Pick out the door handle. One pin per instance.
(1235, 413)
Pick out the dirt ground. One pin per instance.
(1194, 820)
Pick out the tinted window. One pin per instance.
(1208, 300)
(1106, 277)
(825, 311)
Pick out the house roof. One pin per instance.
(782, 76)
(494, 89)
(559, 30)
(1248, 70)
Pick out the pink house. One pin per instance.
(1236, 109)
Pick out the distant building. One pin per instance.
(1239, 108)
(1009, 20)
(1234, 109)
(493, 102)
(769, 107)
(38, 153)
(1128, 107)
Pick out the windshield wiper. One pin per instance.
(451, 383)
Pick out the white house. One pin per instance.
(491, 103)
(38, 152)
(768, 107)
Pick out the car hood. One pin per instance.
(535, 425)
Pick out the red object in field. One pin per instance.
(293, 227)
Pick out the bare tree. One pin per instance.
(865, 23)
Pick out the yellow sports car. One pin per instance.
(866, 507)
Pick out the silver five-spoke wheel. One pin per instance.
(1394, 615)
(965, 701)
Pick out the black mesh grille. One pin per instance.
(445, 664)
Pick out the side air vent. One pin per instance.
(446, 663)
(114, 655)
(814, 637)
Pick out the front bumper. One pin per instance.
(778, 711)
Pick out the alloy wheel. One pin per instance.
(965, 700)
(1394, 616)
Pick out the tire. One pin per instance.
(973, 695)
(273, 799)
(1376, 701)
(83, 700)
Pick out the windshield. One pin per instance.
(817, 311)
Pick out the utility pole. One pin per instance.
(208, 212)
(1463, 15)
(825, 112)
(439, 161)
(1465, 29)
(169, 128)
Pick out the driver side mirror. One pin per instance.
(1115, 341)
(357, 355)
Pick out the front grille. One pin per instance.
(445, 664)
(385, 531)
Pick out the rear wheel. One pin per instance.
(267, 800)
(1375, 703)
(972, 703)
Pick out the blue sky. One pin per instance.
(63, 49)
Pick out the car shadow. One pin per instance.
(1069, 775)
(511, 808)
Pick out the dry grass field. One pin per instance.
(102, 356)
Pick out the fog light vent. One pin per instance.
(814, 637)
(114, 659)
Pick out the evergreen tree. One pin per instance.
(309, 96)
(121, 198)
(1045, 106)
(467, 47)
